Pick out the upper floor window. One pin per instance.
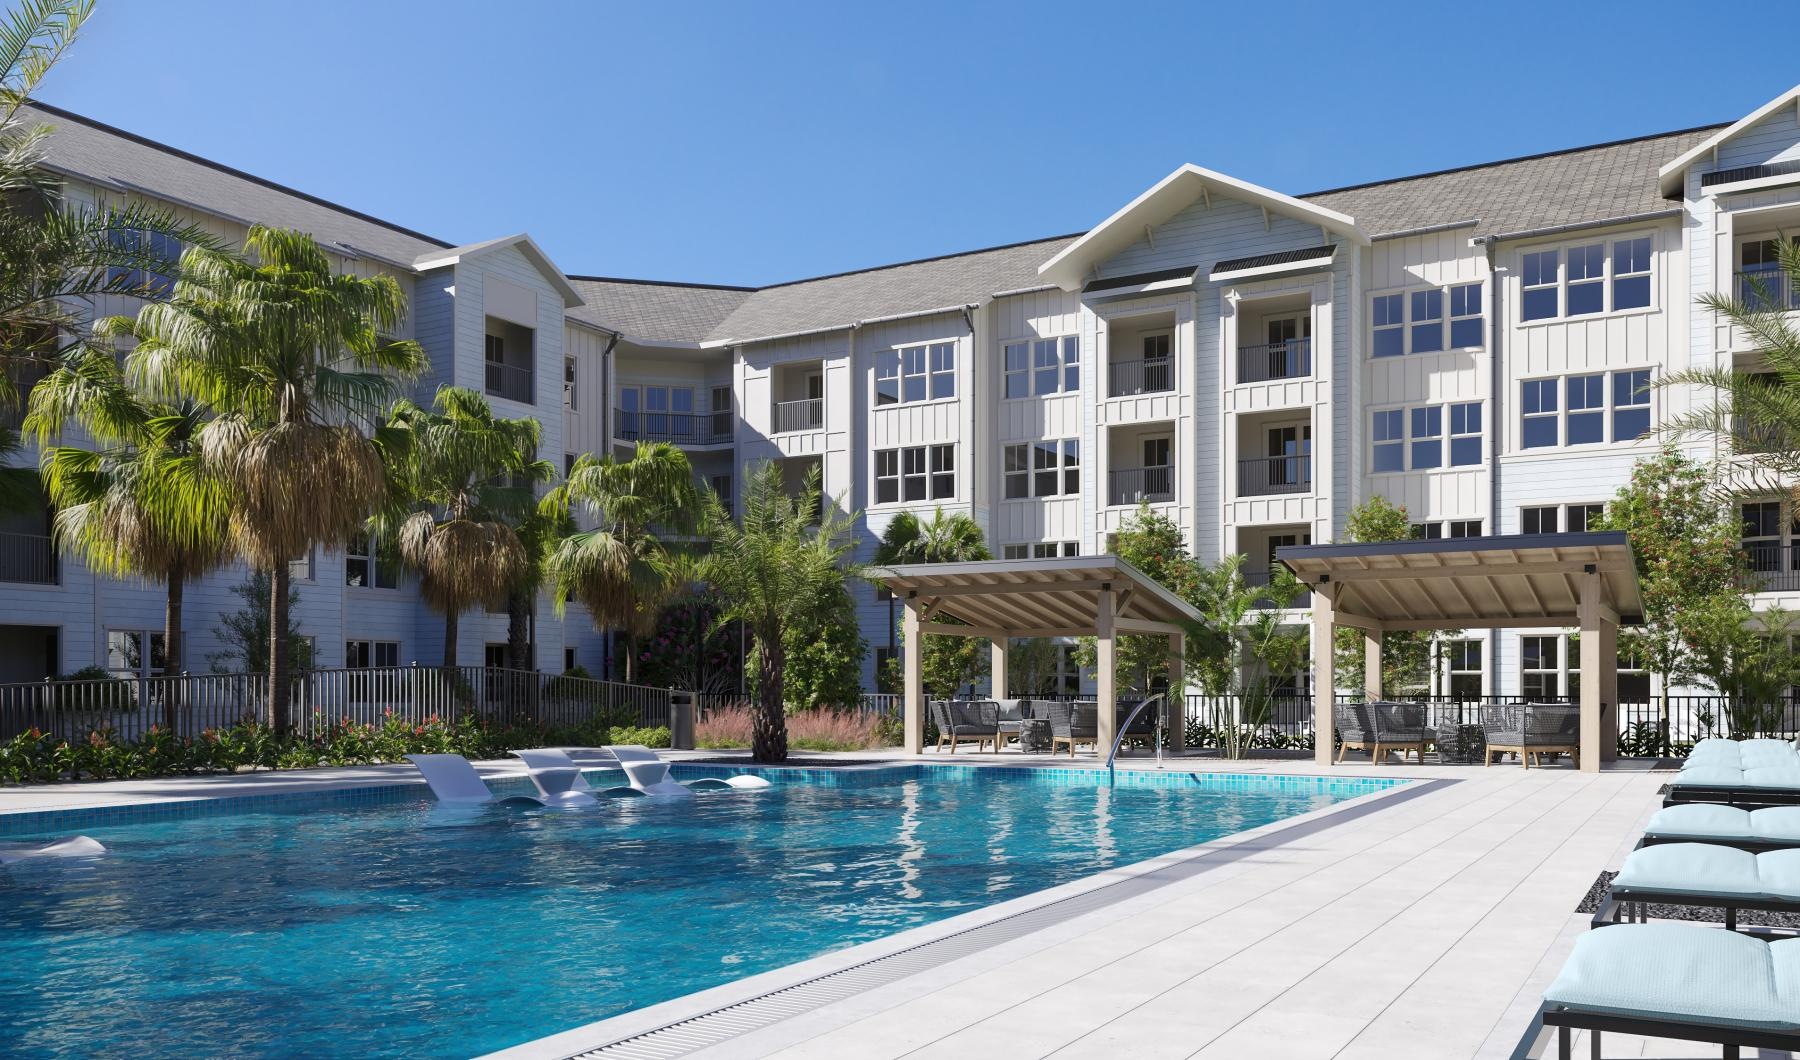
(915, 473)
(1043, 366)
(1413, 439)
(1585, 279)
(569, 384)
(915, 373)
(1040, 550)
(370, 564)
(1428, 321)
(147, 249)
(1583, 417)
(1042, 469)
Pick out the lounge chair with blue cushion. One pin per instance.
(1742, 754)
(1770, 828)
(1703, 874)
(1681, 981)
(1759, 785)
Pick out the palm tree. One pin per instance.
(463, 475)
(949, 662)
(623, 570)
(294, 360)
(776, 568)
(141, 505)
(538, 531)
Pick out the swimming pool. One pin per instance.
(380, 924)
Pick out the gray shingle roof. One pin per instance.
(1568, 187)
(96, 151)
(670, 312)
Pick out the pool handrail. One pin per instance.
(1125, 727)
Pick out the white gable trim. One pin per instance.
(527, 246)
(1168, 197)
(1669, 177)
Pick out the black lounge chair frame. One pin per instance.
(1732, 1038)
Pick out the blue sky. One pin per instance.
(755, 143)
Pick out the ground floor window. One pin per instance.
(360, 654)
(1463, 668)
(568, 659)
(1039, 550)
(1540, 666)
(135, 652)
(494, 657)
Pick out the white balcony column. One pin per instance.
(1372, 664)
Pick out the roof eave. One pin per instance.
(1670, 177)
(526, 246)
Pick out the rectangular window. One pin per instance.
(1017, 369)
(1014, 552)
(1631, 405)
(1538, 413)
(1462, 667)
(568, 659)
(1580, 516)
(369, 564)
(887, 377)
(1071, 358)
(362, 654)
(1427, 437)
(1542, 278)
(1042, 469)
(1044, 462)
(915, 373)
(1587, 410)
(1043, 366)
(1046, 367)
(125, 652)
(943, 370)
(1631, 273)
(1427, 531)
(1762, 535)
(1586, 291)
(569, 383)
(887, 476)
(144, 249)
(300, 568)
(1468, 328)
(1390, 325)
(1017, 471)
(1071, 454)
(1389, 434)
(1465, 434)
(1465, 528)
(1427, 328)
(1538, 520)
(913, 486)
(943, 472)
(912, 374)
(1539, 668)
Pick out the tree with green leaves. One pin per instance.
(1151, 542)
(294, 360)
(462, 476)
(784, 563)
(1405, 654)
(1244, 644)
(824, 655)
(1031, 667)
(627, 568)
(244, 634)
(950, 663)
(1690, 572)
(141, 503)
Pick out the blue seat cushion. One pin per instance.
(1682, 973)
(1691, 868)
(1710, 776)
(1777, 824)
(1702, 821)
(1787, 776)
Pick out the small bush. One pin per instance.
(723, 728)
(643, 735)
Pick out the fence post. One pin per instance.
(681, 720)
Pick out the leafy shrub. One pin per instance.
(93, 690)
(645, 735)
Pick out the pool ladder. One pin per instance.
(1161, 699)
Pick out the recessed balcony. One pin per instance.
(803, 414)
(1271, 476)
(679, 428)
(1140, 485)
(1270, 361)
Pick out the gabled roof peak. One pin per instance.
(526, 246)
(1670, 176)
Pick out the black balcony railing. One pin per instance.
(1145, 376)
(511, 382)
(1266, 476)
(1262, 577)
(1766, 287)
(1774, 567)
(805, 415)
(681, 428)
(1275, 360)
(1135, 485)
(28, 559)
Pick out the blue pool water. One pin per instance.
(388, 926)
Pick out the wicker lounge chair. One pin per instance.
(1696, 984)
(1072, 723)
(975, 721)
(1532, 731)
(1383, 727)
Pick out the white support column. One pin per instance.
(1177, 712)
(1106, 675)
(1324, 625)
(1591, 666)
(998, 677)
(912, 647)
(1372, 664)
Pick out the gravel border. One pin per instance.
(1698, 913)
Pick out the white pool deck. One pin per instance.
(1425, 926)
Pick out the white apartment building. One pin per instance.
(1478, 344)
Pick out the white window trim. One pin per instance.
(1031, 470)
(1406, 316)
(901, 476)
(1062, 365)
(957, 356)
(1606, 239)
(1607, 409)
(1406, 439)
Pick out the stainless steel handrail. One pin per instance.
(1125, 727)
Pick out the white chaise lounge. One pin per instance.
(79, 846)
(648, 773)
(453, 780)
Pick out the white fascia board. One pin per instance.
(1168, 197)
(1669, 177)
(527, 246)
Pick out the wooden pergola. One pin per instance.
(1089, 596)
(1584, 580)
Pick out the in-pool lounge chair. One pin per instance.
(649, 774)
(1681, 981)
(454, 781)
(1702, 874)
(1531, 731)
(1769, 828)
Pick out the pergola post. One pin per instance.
(1609, 689)
(1177, 712)
(1371, 664)
(1592, 689)
(1324, 626)
(1106, 675)
(998, 679)
(913, 646)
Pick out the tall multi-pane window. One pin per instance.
(1465, 434)
(1540, 666)
(1589, 403)
(1587, 410)
(1389, 434)
(1762, 534)
(569, 398)
(1414, 438)
(1427, 328)
(1586, 290)
(1467, 324)
(1390, 325)
(915, 473)
(915, 373)
(1631, 273)
(1539, 519)
(1042, 366)
(144, 248)
(368, 563)
(1538, 412)
(1427, 437)
(1462, 668)
(1542, 279)
(1042, 469)
(1587, 279)
(1427, 321)
(1631, 405)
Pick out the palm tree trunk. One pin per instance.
(768, 735)
(172, 648)
(630, 657)
(450, 631)
(518, 633)
(279, 698)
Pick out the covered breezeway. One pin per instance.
(1587, 581)
(997, 600)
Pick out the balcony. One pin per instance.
(1142, 376)
(28, 559)
(1275, 360)
(680, 428)
(1774, 567)
(1271, 476)
(1256, 578)
(1137, 485)
(807, 414)
(1766, 288)
(511, 382)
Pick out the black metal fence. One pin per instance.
(1276, 360)
(1153, 375)
(1133, 485)
(689, 428)
(1267, 476)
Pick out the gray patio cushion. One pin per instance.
(1074, 720)
(974, 717)
(1683, 973)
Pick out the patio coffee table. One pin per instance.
(1034, 735)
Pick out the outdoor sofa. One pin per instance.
(1530, 730)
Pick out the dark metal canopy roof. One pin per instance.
(1479, 582)
(1321, 255)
